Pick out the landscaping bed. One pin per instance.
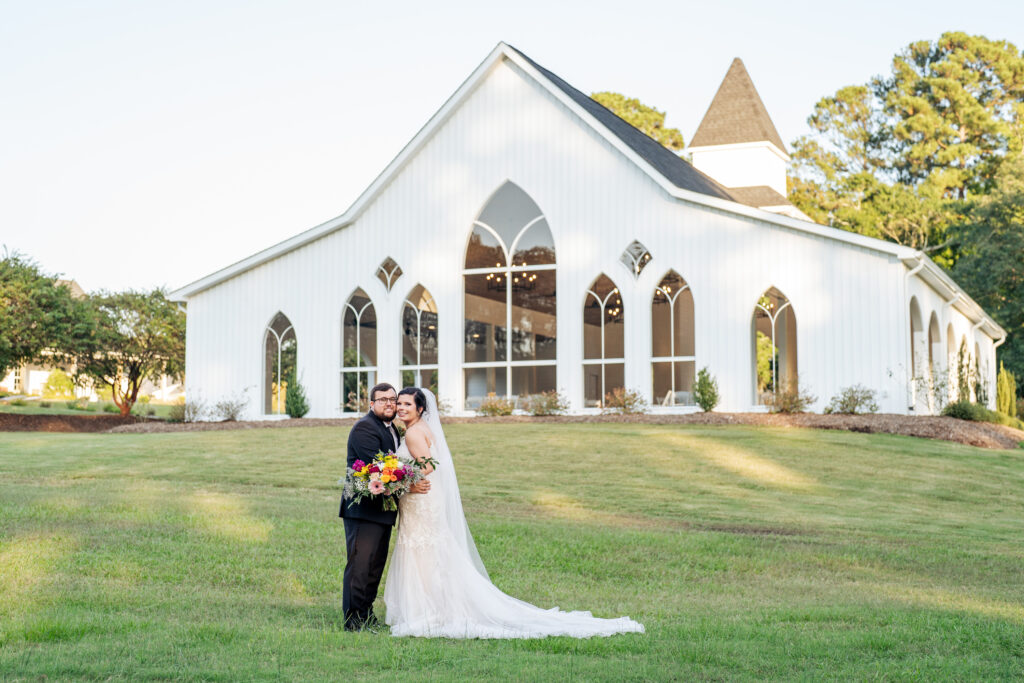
(15, 422)
(983, 434)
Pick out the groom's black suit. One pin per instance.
(367, 524)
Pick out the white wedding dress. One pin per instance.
(437, 586)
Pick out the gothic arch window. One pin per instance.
(419, 339)
(603, 342)
(358, 352)
(509, 300)
(918, 356)
(934, 359)
(280, 355)
(773, 344)
(951, 362)
(672, 342)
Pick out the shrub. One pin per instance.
(58, 385)
(548, 403)
(624, 402)
(790, 398)
(177, 411)
(230, 409)
(195, 410)
(495, 405)
(853, 401)
(110, 408)
(444, 406)
(965, 410)
(20, 402)
(295, 402)
(45, 404)
(1006, 392)
(705, 391)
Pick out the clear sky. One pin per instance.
(151, 143)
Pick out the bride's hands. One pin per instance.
(421, 486)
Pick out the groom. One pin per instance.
(367, 523)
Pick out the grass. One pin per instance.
(58, 406)
(748, 553)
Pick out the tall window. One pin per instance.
(510, 333)
(672, 346)
(419, 340)
(918, 354)
(603, 342)
(773, 344)
(359, 352)
(279, 353)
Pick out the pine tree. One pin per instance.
(295, 402)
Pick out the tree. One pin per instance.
(706, 390)
(135, 336)
(991, 267)
(648, 119)
(37, 314)
(892, 158)
(1006, 392)
(295, 402)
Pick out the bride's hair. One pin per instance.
(418, 397)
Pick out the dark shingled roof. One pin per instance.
(757, 196)
(676, 170)
(736, 114)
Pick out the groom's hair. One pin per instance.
(418, 397)
(382, 387)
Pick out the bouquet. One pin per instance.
(386, 476)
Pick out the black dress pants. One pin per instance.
(367, 545)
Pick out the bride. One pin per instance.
(437, 585)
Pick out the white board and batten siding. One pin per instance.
(849, 300)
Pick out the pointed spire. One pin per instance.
(736, 114)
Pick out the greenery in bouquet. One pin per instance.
(386, 477)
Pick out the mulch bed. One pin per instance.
(13, 422)
(983, 434)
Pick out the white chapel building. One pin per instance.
(537, 242)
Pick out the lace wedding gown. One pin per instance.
(438, 587)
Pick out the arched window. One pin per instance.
(509, 280)
(918, 354)
(672, 348)
(603, 342)
(358, 352)
(419, 340)
(951, 388)
(934, 360)
(773, 344)
(279, 353)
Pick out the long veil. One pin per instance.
(446, 486)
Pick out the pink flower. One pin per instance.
(376, 488)
(358, 465)
(399, 474)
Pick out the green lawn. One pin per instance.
(748, 553)
(59, 406)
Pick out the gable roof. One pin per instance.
(758, 195)
(674, 168)
(635, 146)
(736, 114)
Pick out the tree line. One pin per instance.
(108, 339)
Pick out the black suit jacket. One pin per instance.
(368, 436)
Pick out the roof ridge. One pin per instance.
(736, 113)
(670, 165)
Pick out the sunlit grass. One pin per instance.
(748, 553)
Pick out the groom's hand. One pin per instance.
(420, 487)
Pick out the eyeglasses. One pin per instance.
(386, 401)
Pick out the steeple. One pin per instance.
(736, 114)
(737, 145)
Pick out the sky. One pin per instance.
(148, 144)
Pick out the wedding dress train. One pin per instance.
(437, 585)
